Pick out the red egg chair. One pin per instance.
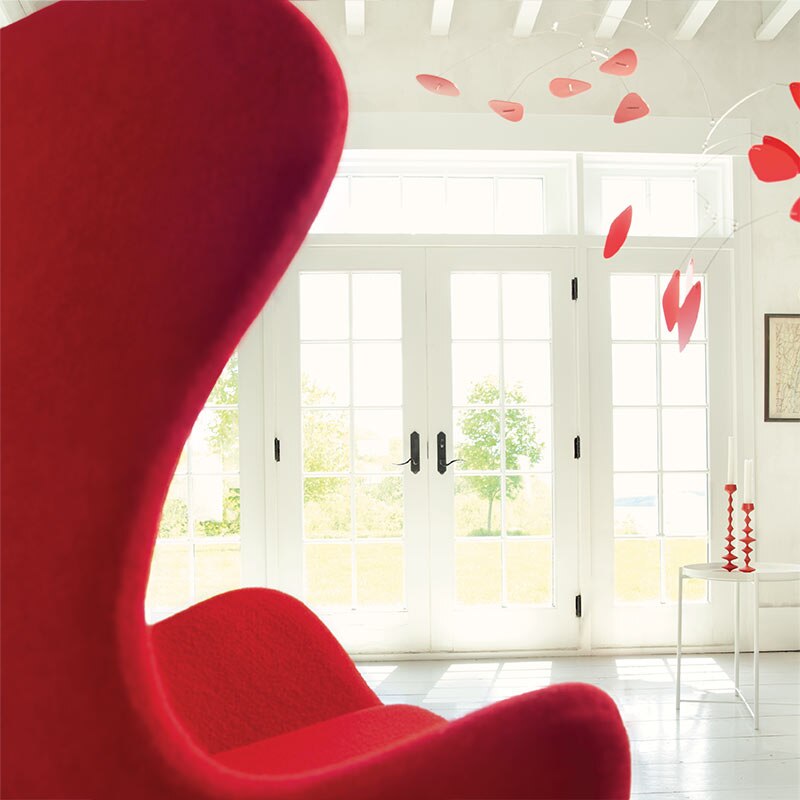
(162, 161)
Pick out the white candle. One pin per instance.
(747, 493)
(731, 460)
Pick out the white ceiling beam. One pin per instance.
(354, 17)
(780, 17)
(440, 19)
(526, 17)
(694, 19)
(615, 11)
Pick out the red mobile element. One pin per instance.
(773, 160)
(507, 109)
(622, 64)
(795, 212)
(671, 301)
(618, 233)
(438, 85)
(568, 87)
(794, 88)
(773, 141)
(687, 315)
(632, 107)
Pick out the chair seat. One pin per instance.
(332, 741)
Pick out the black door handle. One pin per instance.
(414, 458)
(441, 454)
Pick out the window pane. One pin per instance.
(424, 205)
(635, 439)
(379, 574)
(529, 505)
(329, 574)
(215, 441)
(477, 505)
(335, 212)
(379, 441)
(529, 441)
(684, 438)
(685, 504)
(476, 369)
(529, 572)
(326, 441)
(175, 514)
(526, 367)
(169, 586)
(526, 306)
(376, 306)
(478, 572)
(619, 193)
(683, 375)
(634, 374)
(379, 507)
(325, 375)
(637, 570)
(375, 203)
(474, 312)
(217, 568)
(477, 439)
(324, 306)
(377, 375)
(673, 207)
(633, 307)
(470, 205)
(635, 504)
(216, 505)
(520, 207)
(326, 508)
(679, 553)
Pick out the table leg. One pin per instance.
(736, 617)
(680, 635)
(755, 650)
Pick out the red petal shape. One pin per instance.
(623, 63)
(771, 164)
(772, 141)
(795, 212)
(670, 301)
(794, 88)
(438, 85)
(568, 87)
(687, 316)
(618, 233)
(632, 107)
(507, 110)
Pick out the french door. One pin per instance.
(427, 487)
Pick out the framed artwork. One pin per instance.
(782, 367)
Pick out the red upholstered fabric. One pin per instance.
(162, 161)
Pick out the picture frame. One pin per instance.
(782, 367)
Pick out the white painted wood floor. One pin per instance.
(709, 752)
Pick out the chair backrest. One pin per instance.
(161, 164)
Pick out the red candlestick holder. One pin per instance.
(730, 488)
(747, 538)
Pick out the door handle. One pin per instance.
(414, 458)
(441, 454)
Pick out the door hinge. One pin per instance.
(574, 288)
(277, 448)
(576, 447)
(578, 606)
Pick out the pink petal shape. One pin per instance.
(507, 109)
(622, 64)
(794, 88)
(438, 85)
(618, 233)
(771, 164)
(632, 107)
(772, 141)
(670, 301)
(687, 316)
(568, 87)
(795, 212)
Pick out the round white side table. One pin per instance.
(715, 572)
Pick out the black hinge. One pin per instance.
(574, 288)
(576, 447)
(578, 606)
(277, 447)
